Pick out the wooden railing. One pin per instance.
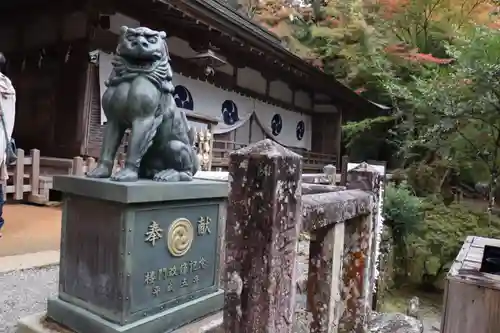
(221, 150)
(316, 161)
(21, 180)
(312, 161)
(25, 179)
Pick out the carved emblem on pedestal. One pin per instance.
(180, 237)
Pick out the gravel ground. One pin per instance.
(25, 292)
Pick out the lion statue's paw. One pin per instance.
(100, 171)
(171, 175)
(125, 175)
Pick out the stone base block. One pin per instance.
(37, 323)
(83, 321)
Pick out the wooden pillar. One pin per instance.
(358, 239)
(339, 137)
(343, 170)
(263, 221)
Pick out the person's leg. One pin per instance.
(1, 208)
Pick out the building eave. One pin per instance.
(217, 14)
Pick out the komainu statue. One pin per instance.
(139, 97)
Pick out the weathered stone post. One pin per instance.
(331, 173)
(263, 221)
(357, 255)
(325, 216)
(325, 266)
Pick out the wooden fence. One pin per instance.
(311, 161)
(81, 165)
(24, 177)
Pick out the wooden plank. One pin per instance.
(482, 241)
(471, 309)
(35, 171)
(478, 279)
(11, 174)
(457, 264)
(475, 254)
(64, 163)
(444, 315)
(78, 166)
(13, 188)
(476, 266)
(27, 160)
(19, 176)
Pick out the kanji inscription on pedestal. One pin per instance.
(177, 252)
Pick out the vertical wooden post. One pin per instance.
(4, 187)
(357, 256)
(263, 221)
(91, 164)
(35, 171)
(343, 170)
(211, 147)
(324, 283)
(19, 176)
(77, 166)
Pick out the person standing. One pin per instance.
(7, 110)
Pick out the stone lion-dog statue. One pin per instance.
(139, 96)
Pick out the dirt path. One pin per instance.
(30, 229)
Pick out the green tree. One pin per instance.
(403, 214)
(455, 111)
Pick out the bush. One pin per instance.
(402, 209)
(438, 239)
(426, 234)
(403, 214)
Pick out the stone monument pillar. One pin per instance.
(138, 257)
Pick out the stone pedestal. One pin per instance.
(138, 257)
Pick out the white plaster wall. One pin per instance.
(257, 132)
(251, 79)
(197, 125)
(242, 133)
(303, 99)
(281, 91)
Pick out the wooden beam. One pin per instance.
(10, 15)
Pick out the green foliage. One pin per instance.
(439, 238)
(402, 211)
(453, 112)
(426, 234)
(428, 178)
(352, 130)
